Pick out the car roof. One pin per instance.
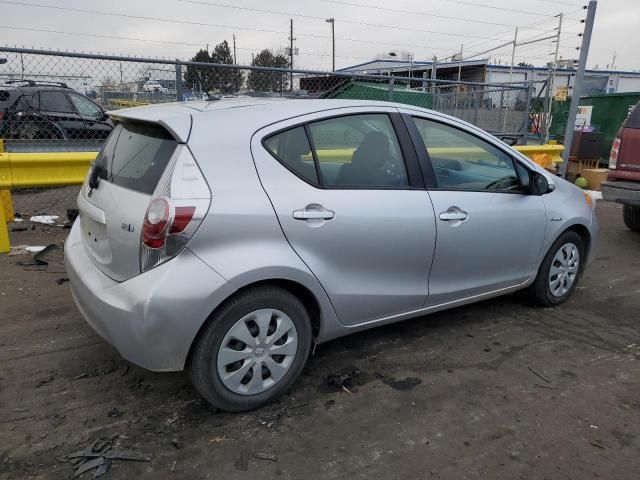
(177, 116)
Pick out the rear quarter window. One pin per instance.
(136, 155)
(633, 120)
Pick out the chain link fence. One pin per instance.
(58, 101)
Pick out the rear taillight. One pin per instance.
(157, 221)
(175, 212)
(162, 219)
(613, 156)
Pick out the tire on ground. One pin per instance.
(540, 290)
(203, 360)
(631, 216)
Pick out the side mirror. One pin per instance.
(538, 184)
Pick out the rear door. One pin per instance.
(352, 205)
(490, 231)
(57, 109)
(96, 123)
(130, 165)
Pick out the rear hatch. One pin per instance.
(625, 152)
(135, 167)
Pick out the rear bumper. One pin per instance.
(153, 318)
(626, 193)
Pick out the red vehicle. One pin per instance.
(623, 182)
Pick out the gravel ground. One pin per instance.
(499, 389)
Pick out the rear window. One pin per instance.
(633, 120)
(136, 155)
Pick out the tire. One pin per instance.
(236, 318)
(541, 290)
(631, 217)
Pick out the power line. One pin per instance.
(190, 44)
(414, 12)
(315, 17)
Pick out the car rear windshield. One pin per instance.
(135, 156)
(633, 120)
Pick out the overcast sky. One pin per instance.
(364, 28)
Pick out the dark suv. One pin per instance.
(623, 182)
(31, 110)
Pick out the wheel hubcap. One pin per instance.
(257, 351)
(564, 269)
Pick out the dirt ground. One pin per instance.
(499, 389)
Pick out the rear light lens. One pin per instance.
(175, 212)
(156, 222)
(163, 219)
(613, 157)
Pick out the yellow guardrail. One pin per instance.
(126, 103)
(25, 170)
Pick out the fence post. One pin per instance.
(527, 111)
(179, 95)
(6, 209)
(391, 83)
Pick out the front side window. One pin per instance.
(355, 151)
(86, 107)
(55, 102)
(462, 161)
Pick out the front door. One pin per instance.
(345, 195)
(490, 231)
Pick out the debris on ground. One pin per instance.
(49, 258)
(176, 443)
(72, 214)
(61, 280)
(346, 381)
(99, 456)
(271, 457)
(540, 376)
(46, 219)
(402, 384)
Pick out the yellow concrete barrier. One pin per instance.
(23, 170)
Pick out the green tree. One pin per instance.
(261, 81)
(225, 80)
(199, 79)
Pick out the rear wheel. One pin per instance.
(631, 216)
(560, 270)
(252, 349)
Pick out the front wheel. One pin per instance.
(252, 349)
(631, 216)
(560, 270)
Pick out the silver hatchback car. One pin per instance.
(227, 237)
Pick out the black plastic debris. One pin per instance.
(72, 214)
(98, 457)
(61, 280)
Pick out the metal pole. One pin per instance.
(552, 77)
(390, 94)
(577, 87)
(235, 61)
(291, 55)
(460, 62)
(179, 96)
(527, 110)
(332, 21)
(513, 54)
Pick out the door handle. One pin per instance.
(454, 214)
(313, 214)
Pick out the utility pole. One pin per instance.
(551, 81)
(291, 39)
(513, 54)
(460, 62)
(235, 61)
(577, 86)
(613, 62)
(332, 21)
